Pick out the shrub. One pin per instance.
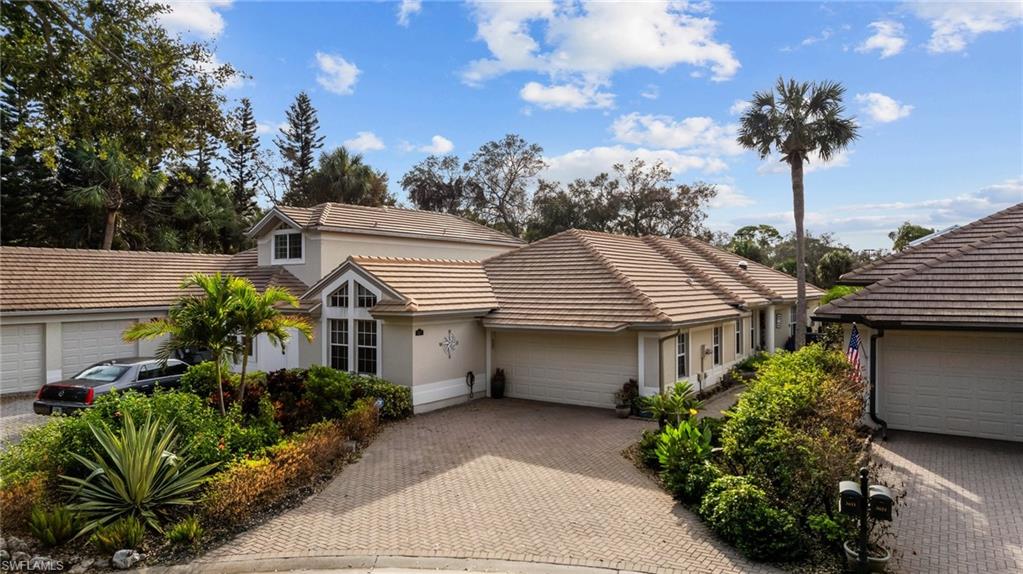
(742, 514)
(201, 380)
(235, 495)
(126, 533)
(136, 473)
(681, 450)
(18, 499)
(188, 531)
(286, 388)
(40, 452)
(362, 420)
(648, 448)
(397, 398)
(329, 391)
(795, 428)
(53, 527)
(675, 405)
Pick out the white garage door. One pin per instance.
(574, 369)
(90, 341)
(21, 358)
(952, 383)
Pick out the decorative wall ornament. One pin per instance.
(448, 344)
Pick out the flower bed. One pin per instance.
(98, 482)
(764, 477)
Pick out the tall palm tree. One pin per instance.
(199, 321)
(797, 120)
(117, 178)
(259, 314)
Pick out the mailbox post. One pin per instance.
(864, 501)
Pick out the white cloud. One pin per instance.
(774, 164)
(1009, 191)
(199, 18)
(955, 25)
(652, 92)
(823, 36)
(406, 9)
(889, 39)
(590, 41)
(337, 75)
(438, 145)
(566, 96)
(730, 196)
(882, 108)
(700, 134)
(364, 141)
(738, 107)
(587, 163)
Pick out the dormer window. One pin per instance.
(364, 298)
(339, 298)
(287, 246)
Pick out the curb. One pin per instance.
(285, 563)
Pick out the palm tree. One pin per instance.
(204, 321)
(800, 120)
(258, 314)
(345, 177)
(118, 178)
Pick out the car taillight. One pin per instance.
(89, 394)
(39, 393)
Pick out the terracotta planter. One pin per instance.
(874, 563)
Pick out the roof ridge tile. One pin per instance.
(709, 252)
(689, 268)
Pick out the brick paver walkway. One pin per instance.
(499, 479)
(964, 503)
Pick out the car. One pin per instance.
(143, 374)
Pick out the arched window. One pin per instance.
(364, 298)
(339, 298)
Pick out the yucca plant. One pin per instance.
(136, 473)
(53, 527)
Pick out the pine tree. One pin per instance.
(298, 144)
(242, 158)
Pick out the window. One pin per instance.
(174, 369)
(738, 337)
(339, 344)
(364, 298)
(681, 348)
(288, 246)
(366, 346)
(717, 345)
(792, 321)
(752, 333)
(339, 298)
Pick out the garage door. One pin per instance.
(90, 341)
(21, 358)
(573, 369)
(952, 383)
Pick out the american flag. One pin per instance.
(853, 354)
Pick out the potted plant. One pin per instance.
(877, 557)
(625, 399)
(497, 385)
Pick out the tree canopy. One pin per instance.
(907, 233)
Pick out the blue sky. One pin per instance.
(936, 88)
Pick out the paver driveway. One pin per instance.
(499, 479)
(964, 504)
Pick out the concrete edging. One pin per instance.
(285, 563)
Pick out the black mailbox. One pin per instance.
(880, 503)
(849, 497)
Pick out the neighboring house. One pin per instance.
(941, 325)
(428, 300)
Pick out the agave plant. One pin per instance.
(136, 473)
(675, 405)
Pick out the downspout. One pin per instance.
(873, 384)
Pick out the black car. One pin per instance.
(143, 374)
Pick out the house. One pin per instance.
(941, 324)
(425, 299)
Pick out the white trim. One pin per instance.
(54, 375)
(273, 213)
(688, 355)
(488, 363)
(351, 314)
(273, 247)
(449, 389)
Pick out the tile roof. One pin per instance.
(391, 221)
(46, 279)
(935, 247)
(971, 285)
(430, 285)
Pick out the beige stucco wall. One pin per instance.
(397, 353)
(432, 363)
